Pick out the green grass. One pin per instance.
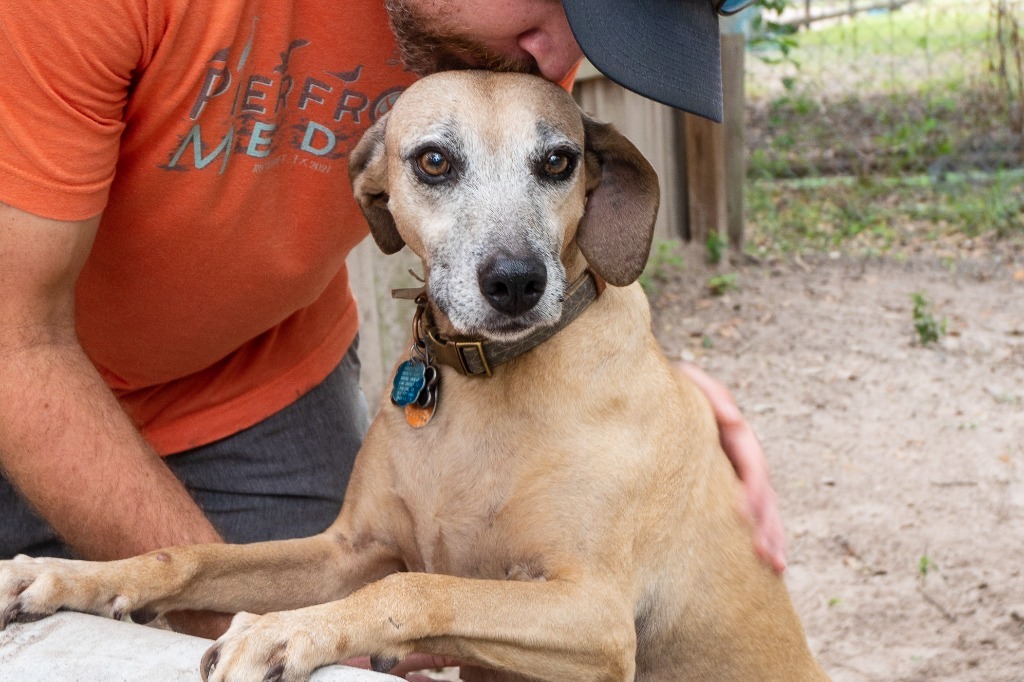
(907, 31)
(803, 132)
(883, 215)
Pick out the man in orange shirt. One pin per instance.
(176, 328)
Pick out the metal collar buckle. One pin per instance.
(461, 347)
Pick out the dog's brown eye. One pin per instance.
(556, 164)
(434, 163)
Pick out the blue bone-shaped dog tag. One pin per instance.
(409, 381)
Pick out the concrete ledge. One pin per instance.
(74, 647)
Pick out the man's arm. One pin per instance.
(65, 442)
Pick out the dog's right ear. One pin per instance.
(617, 228)
(368, 171)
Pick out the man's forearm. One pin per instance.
(70, 449)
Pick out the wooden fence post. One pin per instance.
(733, 52)
(715, 154)
(705, 177)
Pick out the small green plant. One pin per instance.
(716, 247)
(929, 330)
(925, 565)
(719, 285)
(834, 601)
(665, 261)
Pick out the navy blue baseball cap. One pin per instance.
(667, 50)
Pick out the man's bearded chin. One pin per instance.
(425, 51)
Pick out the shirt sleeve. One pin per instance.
(67, 69)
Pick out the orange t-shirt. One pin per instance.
(214, 138)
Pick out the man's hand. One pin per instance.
(744, 451)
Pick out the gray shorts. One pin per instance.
(282, 478)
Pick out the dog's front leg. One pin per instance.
(259, 577)
(555, 630)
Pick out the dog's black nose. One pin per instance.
(513, 285)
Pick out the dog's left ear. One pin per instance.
(367, 169)
(618, 225)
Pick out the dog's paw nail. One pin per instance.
(119, 607)
(29, 617)
(15, 613)
(10, 614)
(209, 662)
(383, 664)
(275, 674)
(143, 615)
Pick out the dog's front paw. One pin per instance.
(33, 588)
(278, 647)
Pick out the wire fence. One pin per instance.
(918, 92)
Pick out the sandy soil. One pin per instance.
(900, 468)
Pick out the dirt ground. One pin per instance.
(900, 468)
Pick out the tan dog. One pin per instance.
(571, 517)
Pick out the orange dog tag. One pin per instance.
(417, 416)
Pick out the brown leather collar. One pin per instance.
(479, 358)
